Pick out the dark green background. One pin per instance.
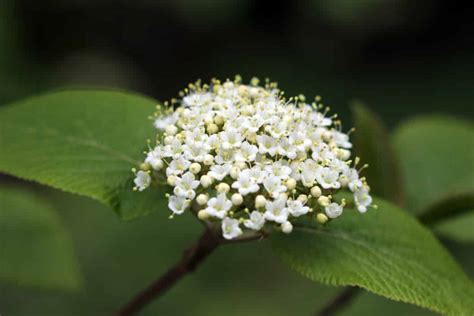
(400, 58)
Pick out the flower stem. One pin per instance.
(188, 263)
(342, 300)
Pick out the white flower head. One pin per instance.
(226, 148)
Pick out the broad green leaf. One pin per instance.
(437, 159)
(384, 251)
(81, 141)
(372, 144)
(35, 249)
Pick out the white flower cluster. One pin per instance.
(245, 156)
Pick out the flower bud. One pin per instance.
(327, 136)
(286, 227)
(168, 140)
(324, 201)
(291, 183)
(208, 120)
(212, 128)
(344, 154)
(145, 166)
(202, 215)
(240, 164)
(195, 168)
(206, 181)
(219, 120)
(202, 199)
(208, 160)
(171, 130)
(237, 199)
(234, 172)
(321, 218)
(344, 181)
(303, 198)
(260, 201)
(315, 191)
(171, 180)
(222, 187)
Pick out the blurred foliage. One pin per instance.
(35, 249)
(399, 59)
(374, 147)
(436, 157)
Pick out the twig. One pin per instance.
(188, 263)
(341, 301)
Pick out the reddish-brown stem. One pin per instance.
(342, 300)
(188, 263)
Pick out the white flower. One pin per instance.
(174, 149)
(225, 156)
(279, 170)
(197, 138)
(274, 186)
(341, 139)
(267, 144)
(353, 179)
(230, 228)
(318, 119)
(185, 186)
(196, 99)
(142, 180)
(362, 199)
(219, 172)
(163, 121)
(276, 211)
(230, 138)
(258, 174)
(154, 158)
(309, 171)
(328, 178)
(333, 210)
(256, 221)
(178, 204)
(246, 153)
(218, 206)
(177, 166)
(296, 208)
(299, 140)
(245, 183)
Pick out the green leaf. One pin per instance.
(458, 228)
(372, 144)
(83, 142)
(449, 207)
(384, 251)
(436, 158)
(35, 249)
